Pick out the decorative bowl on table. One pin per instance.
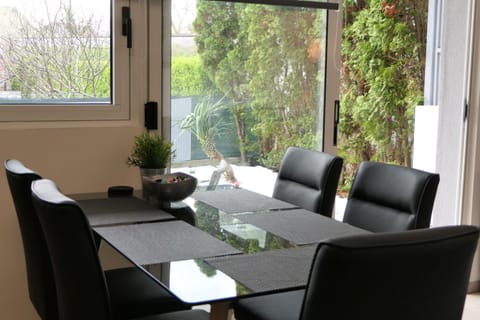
(168, 188)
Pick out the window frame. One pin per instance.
(332, 68)
(118, 110)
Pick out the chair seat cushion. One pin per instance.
(278, 306)
(134, 294)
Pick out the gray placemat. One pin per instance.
(240, 200)
(300, 226)
(121, 210)
(149, 243)
(269, 270)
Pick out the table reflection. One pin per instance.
(195, 281)
(230, 229)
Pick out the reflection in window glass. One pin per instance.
(55, 51)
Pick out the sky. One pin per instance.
(182, 14)
(97, 4)
(37, 7)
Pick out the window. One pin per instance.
(61, 60)
(243, 81)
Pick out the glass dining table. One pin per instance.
(216, 246)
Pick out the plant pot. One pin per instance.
(147, 175)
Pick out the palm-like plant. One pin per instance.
(206, 123)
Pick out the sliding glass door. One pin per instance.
(242, 82)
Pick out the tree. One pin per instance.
(258, 58)
(63, 57)
(188, 77)
(284, 79)
(382, 80)
(221, 45)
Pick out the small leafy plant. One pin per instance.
(150, 152)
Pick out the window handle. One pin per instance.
(127, 25)
(336, 121)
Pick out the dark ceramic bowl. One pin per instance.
(170, 187)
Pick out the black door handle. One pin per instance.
(127, 25)
(336, 121)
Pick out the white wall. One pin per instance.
(425, 138)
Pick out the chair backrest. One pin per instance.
(80, 282)
(414, 275)
(308, 179)
(41, 286)
(386, 197)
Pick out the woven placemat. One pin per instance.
(240, 200)
(149, 243)
(300, 226)
(269, 270)
(121, 210)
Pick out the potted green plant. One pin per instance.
(152, 154)
(150, 151)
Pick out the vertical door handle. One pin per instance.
(336, 121)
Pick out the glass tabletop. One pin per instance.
(253, 260)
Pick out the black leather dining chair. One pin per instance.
(309, 179)
(82, 287)
(414, 275)
(386, 197)
(41, 287)
(132, 292)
